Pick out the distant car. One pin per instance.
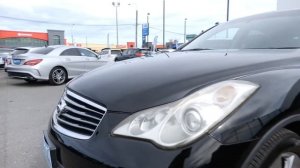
(4, 53)
(110, 54)
(53, 63)
(133, 53)
(166, 50)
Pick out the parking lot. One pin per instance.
(25, 110)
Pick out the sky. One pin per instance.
(92, 21)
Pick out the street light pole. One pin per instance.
(164, 23)
(116, 5)
(148, 27)
(136, 27)
(227, 11)
(136, 23)
(72, 35)
(184, 29)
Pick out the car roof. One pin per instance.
(137, 49)
(116, 49)
(65, 47)
(60, 48)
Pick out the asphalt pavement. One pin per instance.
(25, 111)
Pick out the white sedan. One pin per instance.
(56, 64)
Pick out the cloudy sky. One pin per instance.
(93, 20)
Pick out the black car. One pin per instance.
(230, 98)
(132, 53)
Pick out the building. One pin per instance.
(12, 39)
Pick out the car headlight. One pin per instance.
(179, 123)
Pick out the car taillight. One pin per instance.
(33, 62)
(139, 54)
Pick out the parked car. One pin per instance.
(17, 51)
(109, 54)
(166, 50)
(132, 53)
(229, 98)
(53, 63)
(4, 53)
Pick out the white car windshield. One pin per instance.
(268, 32)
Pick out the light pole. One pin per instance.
(116, 5)
(136, 27)
(184, 29)
(136, 24)
(148, 14)
(164, 23)
(72, 35)
(227, 18)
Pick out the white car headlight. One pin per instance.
(179, 123)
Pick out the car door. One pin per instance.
(73, 61)
(91, 59)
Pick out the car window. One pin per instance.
(71, 52)
(269, 32)
(44, 51)
(86, 53)
(227, 34)
(19, 51)
(104, 52)
(126, 52)
(130, 52)
(115, 51)
(145, 51)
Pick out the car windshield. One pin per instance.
(43, 50)
(103, 52)
(130, 51)
(19, 51)
(269, 32)
(115, 51)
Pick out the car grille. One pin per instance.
(76, 116)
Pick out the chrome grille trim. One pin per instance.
(78, 105)
(81, 113)
(86, 100)
(76, 116)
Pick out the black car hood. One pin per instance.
(137, 84)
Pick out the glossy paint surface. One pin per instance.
(130, 86)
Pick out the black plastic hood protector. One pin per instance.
(137, 84)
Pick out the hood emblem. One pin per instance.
(61, 106)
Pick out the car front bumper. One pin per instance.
(24, 72)
(104, 150)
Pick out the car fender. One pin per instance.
(278, 92)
